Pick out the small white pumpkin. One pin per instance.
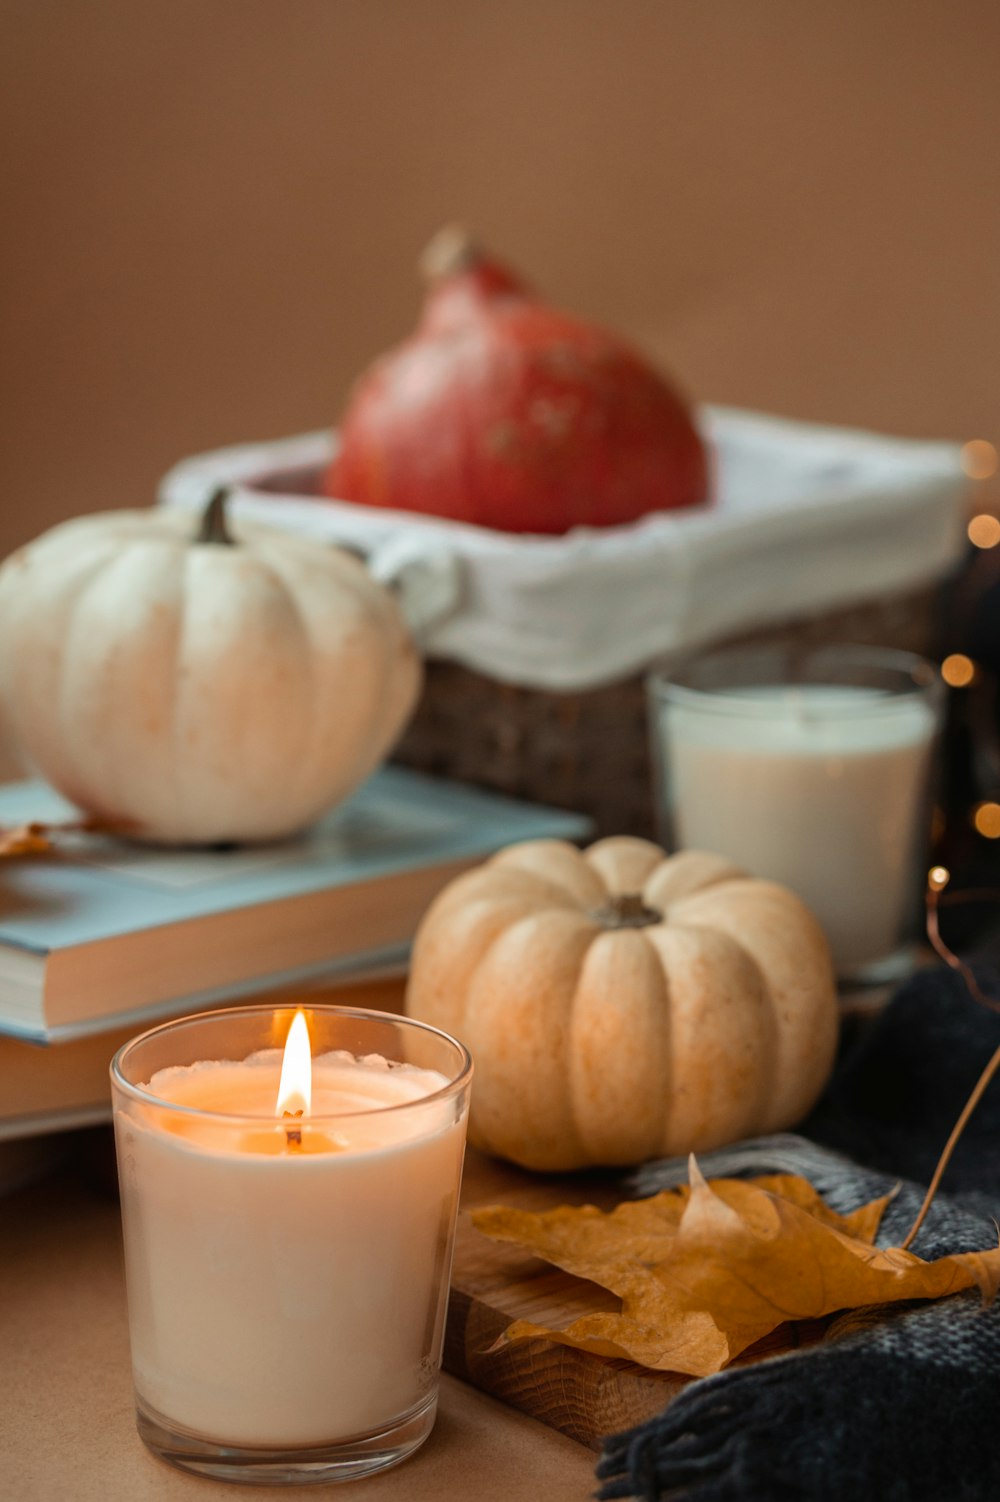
(227, 683)
(620, 1004)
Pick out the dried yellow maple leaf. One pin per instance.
(706, 1271)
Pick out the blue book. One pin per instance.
(102, 932)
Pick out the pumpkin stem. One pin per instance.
(213, 522)
(452, 249)
(458, 271)
(627, 910)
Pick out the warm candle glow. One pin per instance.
(938, 878)
(295, 1086)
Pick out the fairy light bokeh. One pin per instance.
(983, 530)
(979, 459)
(986, 818)
(957, 670)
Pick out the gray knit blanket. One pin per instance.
(902, 1408)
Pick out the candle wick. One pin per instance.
(293, 1135)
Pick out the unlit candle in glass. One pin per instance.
(820, 788)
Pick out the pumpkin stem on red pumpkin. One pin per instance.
(455, 267)
(627, 910)
(213, 522)
(452, 249)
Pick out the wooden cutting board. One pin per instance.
(584, 1396)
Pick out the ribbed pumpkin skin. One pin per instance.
(201, 691)
(604, 1046)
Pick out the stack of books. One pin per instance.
(100, 939)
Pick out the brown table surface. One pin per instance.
(67, 1432)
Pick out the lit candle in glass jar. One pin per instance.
(288, 1221)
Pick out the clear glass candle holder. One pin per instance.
(812, 768)
(288, 1272)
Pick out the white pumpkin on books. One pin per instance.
(200, 683)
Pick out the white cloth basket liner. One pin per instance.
(806, 519)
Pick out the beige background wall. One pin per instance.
(212, 207)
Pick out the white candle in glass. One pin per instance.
(820, 787)
(287, 1273)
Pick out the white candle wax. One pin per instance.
(284, 1296)
(820, 788)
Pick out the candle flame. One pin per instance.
(295, 1087)
(938, 878)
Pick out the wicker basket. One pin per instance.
(804, 513)
(590, 751)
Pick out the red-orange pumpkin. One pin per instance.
(502, 411)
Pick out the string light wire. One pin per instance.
(937, 879)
